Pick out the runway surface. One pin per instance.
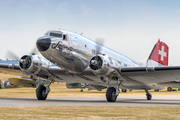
(92, 101)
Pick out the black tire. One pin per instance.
(111, 94)
(169, 89)
(124, 90)
(149, 96)
(156, 90)
(39, 92)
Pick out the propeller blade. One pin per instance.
(34, 51)
(99, 41)
(10, 55)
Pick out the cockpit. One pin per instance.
(57, 34)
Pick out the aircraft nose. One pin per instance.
(43, 43)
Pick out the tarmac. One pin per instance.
(92, 101)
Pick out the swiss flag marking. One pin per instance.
(162, 53)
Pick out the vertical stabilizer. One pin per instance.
(159, 55)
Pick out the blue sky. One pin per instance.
(131, 27)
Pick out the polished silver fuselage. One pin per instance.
(73, 55)
(78, 59)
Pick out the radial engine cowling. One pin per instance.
(34, 65)
(101, 65)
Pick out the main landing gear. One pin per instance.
(113, 92)
(148, 95)
(43, 90)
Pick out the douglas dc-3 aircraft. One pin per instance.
(79, 59)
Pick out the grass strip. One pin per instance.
(90, 112)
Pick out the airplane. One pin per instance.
(87, 85)
(80, 59)
(17, 83)
(82, 86)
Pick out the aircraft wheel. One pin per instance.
(111, 94)
(124, 90)
(81, 90)
(156, 90)
(149, 96)
(41, 93)
(169, 89)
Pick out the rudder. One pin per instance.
(159, 55)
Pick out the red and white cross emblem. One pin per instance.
(162, 53)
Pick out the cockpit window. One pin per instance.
(55, 34)
(46, 34)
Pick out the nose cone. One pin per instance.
(43, 43)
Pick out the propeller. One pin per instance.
(34, 51)
(99, 43)
(25, 62)
(96, 62)
(10, 55)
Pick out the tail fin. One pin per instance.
(159, 55)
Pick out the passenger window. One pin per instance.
(119, 62)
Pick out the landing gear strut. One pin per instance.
(148, 95)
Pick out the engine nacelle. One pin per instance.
(102, 65)
(34, 65)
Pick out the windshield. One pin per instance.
(46, 34)
(55, 34)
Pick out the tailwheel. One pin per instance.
(124, 90)
(111, 94)
(149, 96)
(41, 92)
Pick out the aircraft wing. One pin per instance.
(148, 75)
(13, 66)
(58, 74)
(130, 75)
